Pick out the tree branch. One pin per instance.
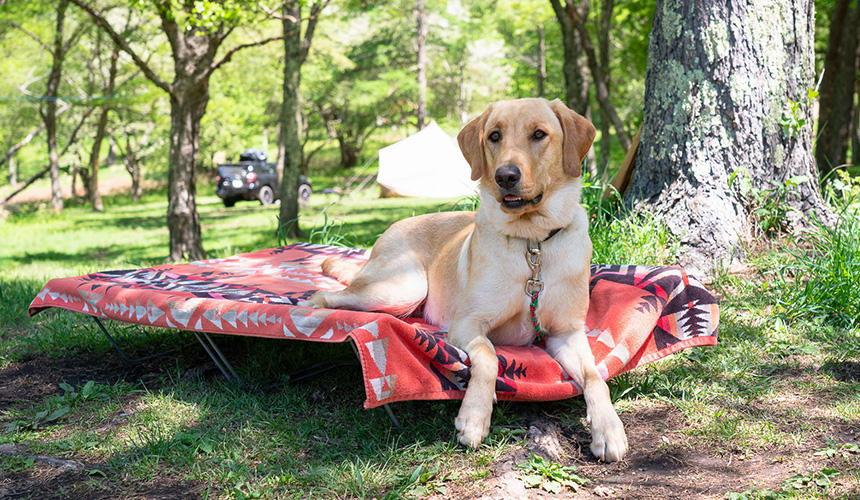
(309, 30)
(32, 135)
(229, 55)
(31, 35)
(72, 139)
(274, 14)
(102, 22)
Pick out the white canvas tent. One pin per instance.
(426, 164)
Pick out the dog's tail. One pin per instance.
(341, 270)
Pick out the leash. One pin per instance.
(534, 286)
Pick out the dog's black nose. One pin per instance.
(508, 176)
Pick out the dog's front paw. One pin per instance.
(473, 425)
(608, 439)
(316, 300)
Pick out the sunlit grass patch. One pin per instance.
(731, 429)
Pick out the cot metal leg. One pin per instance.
(387, 407)
(122, 353)
(218, 358)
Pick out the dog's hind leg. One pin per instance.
(391, 283)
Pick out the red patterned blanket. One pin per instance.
(636, 315)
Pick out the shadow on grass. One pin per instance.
(300, 434)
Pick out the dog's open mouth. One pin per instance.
(513, 201)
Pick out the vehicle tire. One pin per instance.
(229, 202)
(266, 195)
(304, 193)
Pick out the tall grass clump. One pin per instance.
(330, 233)
(822, 276)
(620, 236)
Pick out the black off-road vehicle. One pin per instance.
(253, 179)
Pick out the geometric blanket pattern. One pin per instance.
(636, 315)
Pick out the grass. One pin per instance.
(781, 379)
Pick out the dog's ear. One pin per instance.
(471, 141)
(578, 135)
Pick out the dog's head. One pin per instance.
(524, 151)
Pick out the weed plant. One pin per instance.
(822, 276)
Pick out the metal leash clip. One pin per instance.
(534, 285)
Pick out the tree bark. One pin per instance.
(290, 148)
(23, 142)
(13, 172)
(574, 66)
(603, 36)
(541, 69)
(836, 99)
(600, 78)
(49, 107)
(349, 151)
(289, 144)
(421, 16)
(101, 130)
(720, 73)
(187, 107)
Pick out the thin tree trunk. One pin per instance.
(709, 114)
(541, 69)
(574, 66)
(855, 135)
(132, 162)
(13, 172)
(836, 103)
(349, 151)
(132, 166)
(600, 78)
(289, 142)
(421, 16)
(603, 36)
(23, 142)
(49, 109)
(101, 130)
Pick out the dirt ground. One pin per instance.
(663, 461)
(34, 193)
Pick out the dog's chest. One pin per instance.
(559, 275)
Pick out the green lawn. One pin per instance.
(775, 406)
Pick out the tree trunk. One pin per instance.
(349, 151)
(49, 108)
(132, 166)
(574, 67)
(13, 172)
(720, 73)
(836, 102)
(606, 9)
(187, 106)
(14, 149)
(541, 69)
(290, 141)
(101, 130)
(421, 16)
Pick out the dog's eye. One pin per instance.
(494, 136)
(538, 135)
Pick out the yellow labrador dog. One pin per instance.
(476, 273)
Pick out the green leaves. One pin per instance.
(769, 206)
(58, 406)
(834, 449)
(549, 476)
